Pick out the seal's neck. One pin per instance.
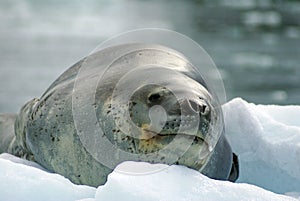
(18, 146)
(6, 130)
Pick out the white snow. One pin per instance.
(267, 140)
(23, 181)
(178, 183)
(265, 137)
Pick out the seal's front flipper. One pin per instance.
(234, 173)
(7, 133)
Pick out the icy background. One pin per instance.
(266, 138)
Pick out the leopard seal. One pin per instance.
(148, 102)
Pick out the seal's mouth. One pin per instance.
(148, 134)
(151, 141)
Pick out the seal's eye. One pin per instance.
(154, 97)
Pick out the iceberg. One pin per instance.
(265, 137)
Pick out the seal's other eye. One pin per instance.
(154, 97)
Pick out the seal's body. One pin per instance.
(146, 102)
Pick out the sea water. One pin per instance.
(255, 44)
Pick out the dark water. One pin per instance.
(255, 44)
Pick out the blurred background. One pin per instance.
(254, 43)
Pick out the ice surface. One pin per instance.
(266, 139)
(179, 183)
(21, 180)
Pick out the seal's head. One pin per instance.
(162, 117)
(160, 114)
(171, 122)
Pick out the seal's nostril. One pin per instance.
(203, 109)
(198, 107)
(194, 106)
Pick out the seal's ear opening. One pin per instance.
(234, 173)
